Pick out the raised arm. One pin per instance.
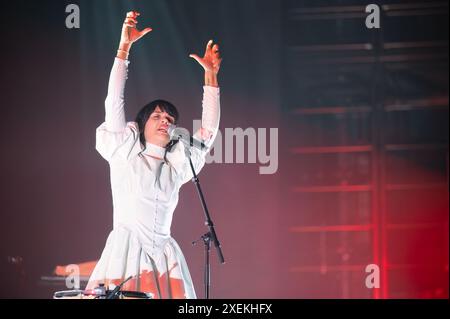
(211, 94)
(114, 103)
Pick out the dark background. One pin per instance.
(362, 116)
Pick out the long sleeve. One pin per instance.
(210, 115)
(115, 138)
(114, 103)
(207, 133)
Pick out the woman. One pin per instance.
(147, 171)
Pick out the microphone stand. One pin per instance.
(210, 236)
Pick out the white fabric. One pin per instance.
(144, 189)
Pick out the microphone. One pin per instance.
(183, 135)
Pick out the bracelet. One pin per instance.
(126, 52)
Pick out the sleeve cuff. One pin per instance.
(211, 89)
(121, 61)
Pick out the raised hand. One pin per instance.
(211, 60)
(130, 33)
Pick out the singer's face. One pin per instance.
(155, 130)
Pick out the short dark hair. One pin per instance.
(147, 110)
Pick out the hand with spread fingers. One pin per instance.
(210, 62)
(130, 34)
